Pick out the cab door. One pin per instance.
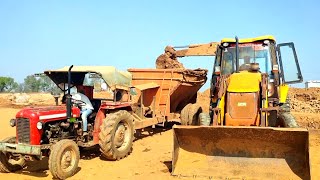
(289, 64)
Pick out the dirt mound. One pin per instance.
(168, 60)
(307, 120)
(38, 99)
(305, 100)
(25, 99)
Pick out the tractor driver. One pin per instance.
(246, 65)
(86, 109)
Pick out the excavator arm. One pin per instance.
(168, 60)
(208, 49)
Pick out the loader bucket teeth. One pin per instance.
(241, 152)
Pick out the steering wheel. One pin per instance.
(78, 102)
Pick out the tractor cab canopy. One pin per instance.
(251, 50)
(114, 78)
(259, 53)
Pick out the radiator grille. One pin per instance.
(23, 129)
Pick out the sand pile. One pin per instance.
(305, 100)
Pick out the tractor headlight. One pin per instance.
(225, 44)
(13, 122)
(39, 125)
(266, 42)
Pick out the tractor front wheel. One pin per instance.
(10, 162)
(116, 136)
(64, 159)
(204, 119)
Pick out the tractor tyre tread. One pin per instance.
(185, 114)
(288, 120)
(106, 135)
(194, 113)
(5, 166)
(204, 119)
(55, 156)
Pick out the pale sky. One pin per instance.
(41, 35)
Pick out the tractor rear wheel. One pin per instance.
(184, 115)
(194, 113)
(204, 119)
(10, 162)
(116, 135)
(64, 159)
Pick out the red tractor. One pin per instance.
(56, 131)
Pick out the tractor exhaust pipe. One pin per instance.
(69, 95)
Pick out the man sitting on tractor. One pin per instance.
(86, 109)
(246, 65)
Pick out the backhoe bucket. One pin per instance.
(222, 152)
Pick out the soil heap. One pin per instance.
(168, 60)
(305, 100)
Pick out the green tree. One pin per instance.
(7, 84)
(20, 88)
(38, 83)
(47, 85)
(31, 84)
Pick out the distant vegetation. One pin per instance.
(31, 84)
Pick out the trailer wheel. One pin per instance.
(116, 135)
(204, 119)
(10, 162)
(194, 113)
(64, 159)
(184, 115)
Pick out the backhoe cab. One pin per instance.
(250, 77)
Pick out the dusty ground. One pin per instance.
(151, 157)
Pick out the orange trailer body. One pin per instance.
(167, 91)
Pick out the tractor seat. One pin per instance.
(92, 116)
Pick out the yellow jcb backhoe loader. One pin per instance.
(249, 132)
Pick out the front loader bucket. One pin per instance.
(244, 152)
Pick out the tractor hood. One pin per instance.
(46, 113)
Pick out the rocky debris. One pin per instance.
(20, 99)
(314, 124)
(305, 100)
(39, 99)
(196, 72)
(168, 60)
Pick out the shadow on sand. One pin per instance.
(37, 168)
